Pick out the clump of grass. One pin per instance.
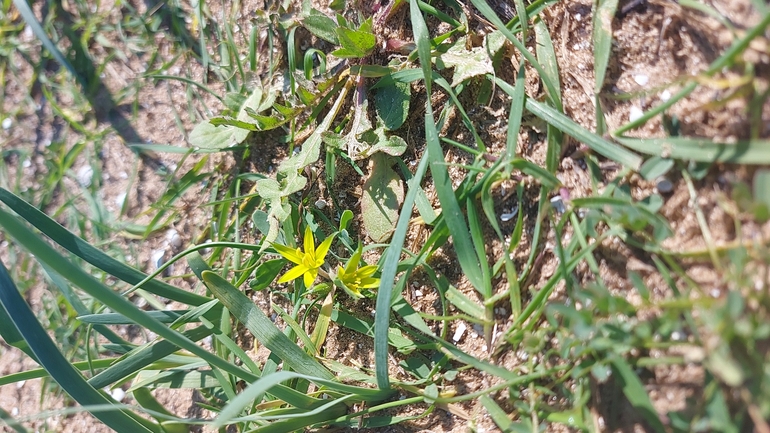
(579, 339)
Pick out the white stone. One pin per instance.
(84, 176)
(635, 113)
(173, 238)
(7, 122)
(157, 258)
(118, 394)
(120, 199)
(461, 328)
(507, 216)
(641, 79)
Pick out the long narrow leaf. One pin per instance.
(604, 12)
(702, 149)
(29, 17)
(87, 252)
(263, 328)
(46, 254)
(59, 368)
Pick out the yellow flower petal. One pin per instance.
(320, 253)
(309, 277)
(293, 255)
(370, 283)
(293, 274)
(367, 271)
(309, 242)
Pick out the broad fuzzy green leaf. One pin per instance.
(383, 194)
(208, 136)
(392, 102)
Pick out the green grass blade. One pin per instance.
(598, 144)
(59, 368)
(604, 12)
(37, 29)
(635, 392)
(451, 210)
(78, 305)
(551, 89)
(497, 413)
(263, 328)
(546, 55)
(727, 58)
(702, 149)
(142, 357)
(37, 373)
(7, 419)
(515, 115)
(569, 126)
(256, 390)
(85, 251)
(46, 254)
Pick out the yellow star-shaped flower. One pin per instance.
(354, 279)
(307, 262)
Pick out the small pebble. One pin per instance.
(208, 341)
(157, 258)
(7, 122)
(120, 199)
(140, 302)
(418, 293)
(641, 79)
(558, 203)
(507, 216)
(461, 328)
(15, 411)
(27, 163)
(173, 238)
(118, 394)
(665, 95)
(635, 113)
(320, 204)
(478, 329)
(85, 175)
(664, 185)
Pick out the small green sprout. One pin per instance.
(308, 262)
(353, 279)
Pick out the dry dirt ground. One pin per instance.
(656, 42)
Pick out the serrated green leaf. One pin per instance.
(355, 43)
(466, 63)
(322, 26)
